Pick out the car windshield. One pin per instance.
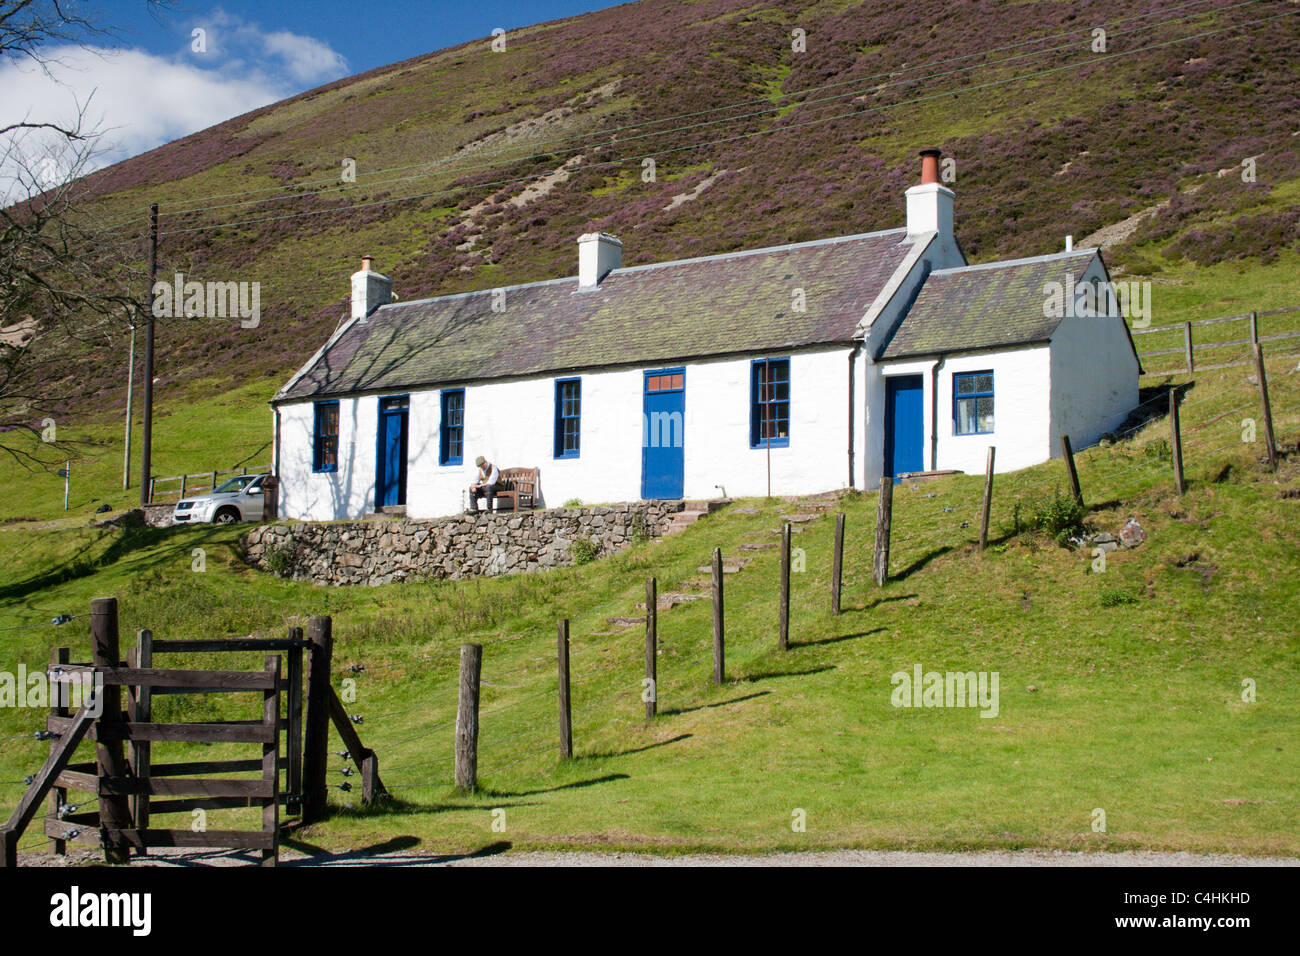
(236, 484)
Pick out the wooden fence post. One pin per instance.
(271, 761)
(114, 810)
(719, 640)
(1254, 327)
(214, 479)
(884, 518)
(58, 796)
(652, 646)
(293, 743)
(1068, 454)
(1265, 407)
(320, 632)
(988, 499)
(837, 564)
(471, 666)
(1187, 347)
(1176, 440)
(783, 634)
(142, 750)
(566, 705)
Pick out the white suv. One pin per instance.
(239, 499)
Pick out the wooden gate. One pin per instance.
(129, 792)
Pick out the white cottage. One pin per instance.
(786, 370)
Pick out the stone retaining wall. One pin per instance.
(378, 552)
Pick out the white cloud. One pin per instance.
(308, 60)
(140, 100)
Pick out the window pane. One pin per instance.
(984, 383)
(679, 381)
(984, 409)
(965, 416)
(965, 384)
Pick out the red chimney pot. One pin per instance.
(930, 165)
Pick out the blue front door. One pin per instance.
(904, 425)
(390, 482)
(663, 434)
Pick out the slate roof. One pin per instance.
(997, 305)
(640, 316)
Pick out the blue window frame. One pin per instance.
(769, 403)
(451, 433)
(972, 403)
(568, 417)
(325, 437)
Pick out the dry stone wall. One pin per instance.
(379, 552)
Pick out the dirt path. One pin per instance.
(174, 858)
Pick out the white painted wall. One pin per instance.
(512, 424)
(1094, 374)
(1021, 411)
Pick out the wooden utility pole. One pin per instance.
(837, 564)
(988, 500)
(1176, 440)
(114, 809)
(146, 453)
(719, 641)
(1067, 452)
(884, 518)
(1270, 446)
(652, 646)
(130, 397)
(471, 666)
(566, 707)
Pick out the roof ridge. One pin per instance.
(830, 240)
(1004, 263)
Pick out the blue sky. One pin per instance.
(367, 33)
(154, 79)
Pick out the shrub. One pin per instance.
(278, 561)
(583, 551)
(1115, 597)
(1057, 515)
(573, 503)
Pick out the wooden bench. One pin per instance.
(520, 486)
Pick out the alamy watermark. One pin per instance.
(56, 687)
(179, 299)
(1096, 298)
(922, 688)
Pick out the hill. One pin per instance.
(476, 168)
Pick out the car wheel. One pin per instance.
(226, 516)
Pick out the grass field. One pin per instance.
(1119, 690)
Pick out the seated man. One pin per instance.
(486, 486)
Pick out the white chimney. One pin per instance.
(929, 205)
(370, 289)
(598, 253)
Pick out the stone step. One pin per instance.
(800, 518)
(624, 621)
(761, 546)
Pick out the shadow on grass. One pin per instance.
(836, 640)
(672, 711)
(396, 845)
(577, 784)
(82, 565)
(769, 675)
(920, 563)
(605, 754)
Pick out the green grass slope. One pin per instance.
(1120, 689)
